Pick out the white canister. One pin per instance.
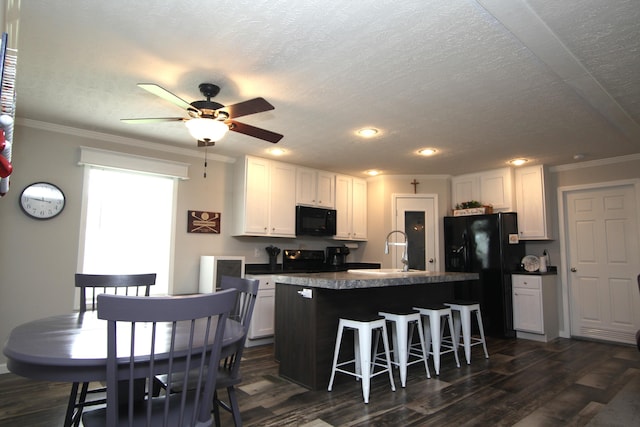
(543, 264)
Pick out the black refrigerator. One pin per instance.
(487, 245)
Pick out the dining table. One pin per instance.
(73, 347)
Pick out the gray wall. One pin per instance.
(39, 258)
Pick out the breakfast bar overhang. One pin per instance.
(308, 306)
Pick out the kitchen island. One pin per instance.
(308, 306)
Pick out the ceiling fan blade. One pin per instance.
(252, 106)
(253, 131)
(153, 120)
(166, 95)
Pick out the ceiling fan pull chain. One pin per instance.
(205, 161)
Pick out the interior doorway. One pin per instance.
(415, 214)
(601, 250)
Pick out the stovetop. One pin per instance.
(303, 261)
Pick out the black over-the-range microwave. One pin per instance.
(315, 221)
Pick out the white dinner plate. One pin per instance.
(531, 263)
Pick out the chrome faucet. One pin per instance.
(405, 255)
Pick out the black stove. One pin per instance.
(303, 261)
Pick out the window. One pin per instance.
(128, 224)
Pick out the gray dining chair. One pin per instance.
(90, 286)
(171, 335)
(229, 369)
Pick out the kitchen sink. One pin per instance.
(385, 271)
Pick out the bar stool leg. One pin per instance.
(335, 354)
(400, 342)
(423, 345)
(436, 340)
(481, 328)
(455, 345)
(465, 319)
(385, 342)
(364, 350)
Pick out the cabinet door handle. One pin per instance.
(431, 260)
(573, 269)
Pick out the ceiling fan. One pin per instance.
(209, 121)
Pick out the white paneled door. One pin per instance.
(604, 263)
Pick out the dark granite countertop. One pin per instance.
(357, 280)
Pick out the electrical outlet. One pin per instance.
(256, 252)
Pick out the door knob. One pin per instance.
(573, 269)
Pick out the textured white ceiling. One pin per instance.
(482, 81)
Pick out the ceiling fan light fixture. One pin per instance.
(204, 129)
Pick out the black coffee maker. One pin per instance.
(337, 256)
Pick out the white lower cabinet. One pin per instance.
(535, 306)
(263, 319)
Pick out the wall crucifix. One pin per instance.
(415, 185)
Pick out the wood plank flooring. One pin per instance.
(563, 383)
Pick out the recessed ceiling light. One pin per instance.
(276, 151)
(372, 172)
(367, 132)
(518, 162)
(427, 151)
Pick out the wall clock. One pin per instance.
(42, 200)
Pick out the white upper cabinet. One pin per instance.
(492, 187)
(532, 203)
(351, 208)
(359, 210)
(465, 188)
(495, 189)
(315, 188)
(264, 198)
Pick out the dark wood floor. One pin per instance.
(563, 383)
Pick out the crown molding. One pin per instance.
(594, 163)
(101, 136)
(382, 177)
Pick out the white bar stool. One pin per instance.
(402, 329)
(433, 331)
(462, 317)
(365, 367)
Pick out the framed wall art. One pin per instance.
(203, 222)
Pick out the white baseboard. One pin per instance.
(3, 369)
(259, 341)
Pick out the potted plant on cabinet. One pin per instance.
(472, 207)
